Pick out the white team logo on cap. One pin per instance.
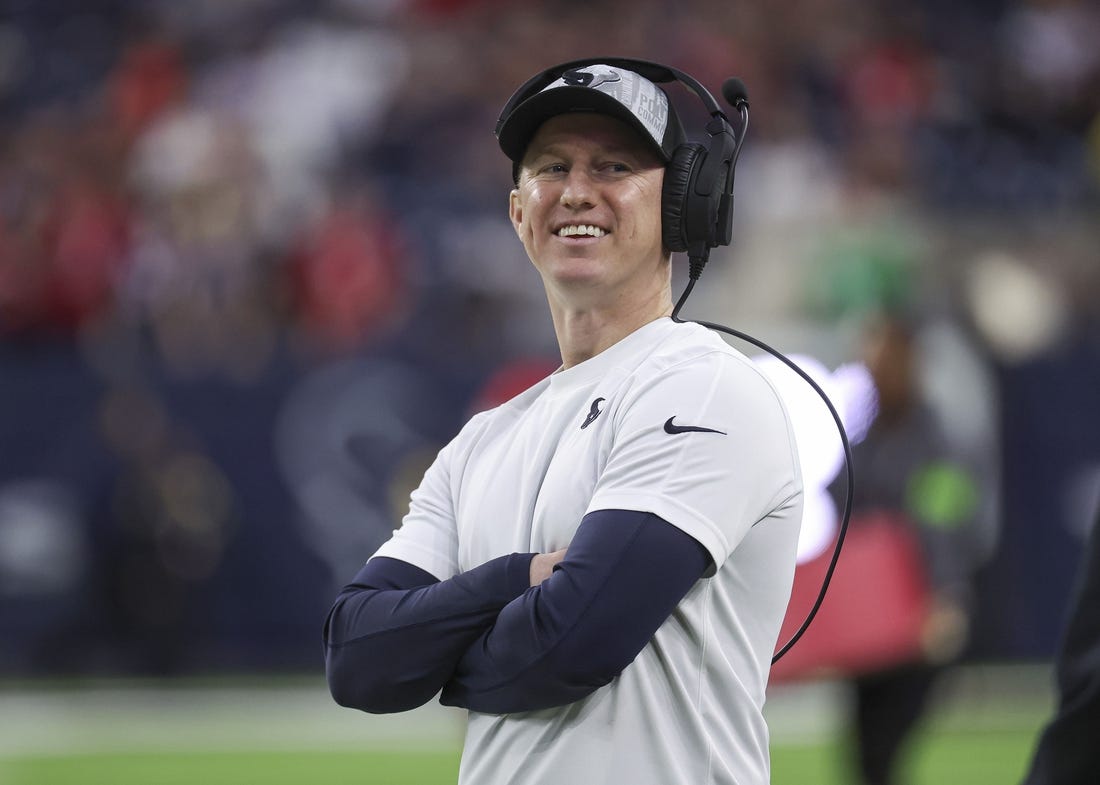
(589, 78)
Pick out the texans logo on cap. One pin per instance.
(589, 79)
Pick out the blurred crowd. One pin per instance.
(255, 264)
(222, 172)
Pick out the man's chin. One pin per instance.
(577, 279)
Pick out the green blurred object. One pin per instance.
(863, 270)
(977, 758)
(236, 768)
(942, 495)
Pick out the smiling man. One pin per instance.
(597, 569)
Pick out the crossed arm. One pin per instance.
(518, 633)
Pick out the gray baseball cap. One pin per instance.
(605, 89)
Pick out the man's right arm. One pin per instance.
(395, 633)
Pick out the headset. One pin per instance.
(697, 215)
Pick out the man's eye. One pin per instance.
(617, 167)
(554, 168)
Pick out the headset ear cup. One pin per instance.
(679, 175)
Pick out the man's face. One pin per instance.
(582, 171)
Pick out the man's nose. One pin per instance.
(579, 190)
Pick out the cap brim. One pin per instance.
(518, 129)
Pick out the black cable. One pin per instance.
(840, 428)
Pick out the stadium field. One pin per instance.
(286, 733)
(976, 759)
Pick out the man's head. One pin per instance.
(890, 353)
(697, 202)
(589, 148)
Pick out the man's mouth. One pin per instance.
(580, 230)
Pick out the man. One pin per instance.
(597, 569)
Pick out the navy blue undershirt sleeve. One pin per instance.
(624, 574)
(395, 633)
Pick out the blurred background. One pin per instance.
(256, 268)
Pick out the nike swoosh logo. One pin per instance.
(670, 428)
(593, 413)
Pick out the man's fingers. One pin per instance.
(542, 566)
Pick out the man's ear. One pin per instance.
(515, 209)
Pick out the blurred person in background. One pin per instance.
(909, 478)
(598, 568)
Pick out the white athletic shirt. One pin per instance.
(520, 478)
